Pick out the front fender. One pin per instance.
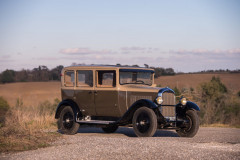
(181, 110)
(191, 105)
(161, 91)
(127, 117)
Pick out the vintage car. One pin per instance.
(113, 96)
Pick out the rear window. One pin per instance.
(69, 78)
(85, 78)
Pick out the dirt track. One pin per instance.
(92, 143)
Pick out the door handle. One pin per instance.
(95, 92)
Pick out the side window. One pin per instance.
(69, 79)
(106, 79)
(85, 78)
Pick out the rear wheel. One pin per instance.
(191, 127)
(110, 128)
(66, 122)
(144, 122)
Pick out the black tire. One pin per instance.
(192, 127)
(66, 121)
(110, 128)
(144, 122)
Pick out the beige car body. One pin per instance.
(108, 100)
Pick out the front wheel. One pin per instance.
(191, 127)
(144, 122)
(66, 122)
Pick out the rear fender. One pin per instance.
(64, 103)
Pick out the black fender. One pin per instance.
(64, 103)
(127, 117)
(162, 90)
(191, 105)
(181, 110)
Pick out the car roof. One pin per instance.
(106, 67)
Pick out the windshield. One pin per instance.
(136, 77)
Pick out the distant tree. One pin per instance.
(169, 71)
(135, 65)
(21, 76)
(8, 76)
(146, 65)
(55, 73)
(163, 71)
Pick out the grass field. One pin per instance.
(231, 80)
(31, 93)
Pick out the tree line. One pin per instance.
(41, 73)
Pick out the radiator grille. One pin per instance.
(168, 99)
(168, 111)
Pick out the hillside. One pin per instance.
(231, 80)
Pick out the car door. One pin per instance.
(106, 94)
(84, 92)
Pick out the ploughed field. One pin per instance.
(33, 93)
(92, 143)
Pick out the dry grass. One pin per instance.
(31, 115)
(27, 127)
(231, 80)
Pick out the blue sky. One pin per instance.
(185, 35)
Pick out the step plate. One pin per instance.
(95, 122)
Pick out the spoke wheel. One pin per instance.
(144, 122)
(191, 126)
(66, 122)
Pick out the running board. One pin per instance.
(95, 122)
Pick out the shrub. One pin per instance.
(4, 107)
(217, 104)
(177, 92)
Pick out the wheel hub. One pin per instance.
(67, 120)
(142, 123)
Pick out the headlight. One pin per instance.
(159, 100)
(183, 101)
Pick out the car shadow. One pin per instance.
(127, 131)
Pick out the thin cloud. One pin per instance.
(129, 50)
(83, 51)
(205, 52)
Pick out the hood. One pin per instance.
(142, 88)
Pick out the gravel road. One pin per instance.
(92, 143)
